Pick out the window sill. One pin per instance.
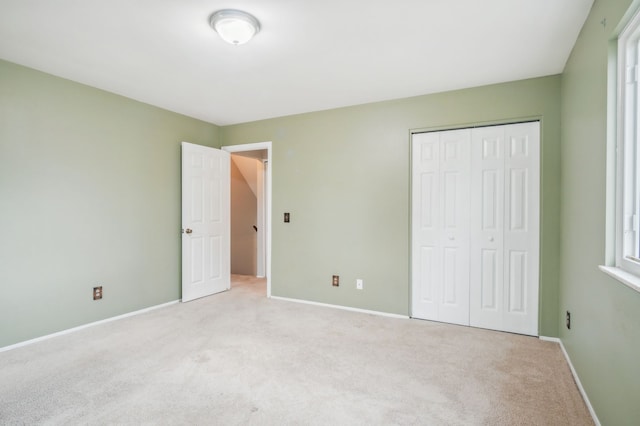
(626, 278)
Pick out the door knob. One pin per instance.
(490, 238)
(188, 231)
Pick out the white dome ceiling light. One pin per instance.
(234, 26)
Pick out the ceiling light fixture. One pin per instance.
(234, 26)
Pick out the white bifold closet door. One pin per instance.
(441, 226)
(492, 258)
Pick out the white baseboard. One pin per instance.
(575, 377)
(91, 324)
(344, 308)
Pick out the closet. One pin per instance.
(475, 226)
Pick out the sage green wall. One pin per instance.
(89, 194)
(344, 175)
(604, 340)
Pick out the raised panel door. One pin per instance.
(205, 217)
(454, 236)
(487, 227)
(426, 220)
(521, 240)
(440, 226)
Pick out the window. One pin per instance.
(627, 184)
(628, 211)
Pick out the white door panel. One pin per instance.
(475, 227)
(489, 287)
(505, 238)
(426, 211)
(521, 240)
(487, 227)
(454, 235)
(205, 221)
(441, 226)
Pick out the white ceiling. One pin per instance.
(310, 54)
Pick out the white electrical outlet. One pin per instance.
(359, 284)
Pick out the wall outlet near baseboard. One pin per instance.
(335, 281)
(97, 293)
(359, 284)
(568, 320)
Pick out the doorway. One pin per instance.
(250, 168)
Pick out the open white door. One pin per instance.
(205, 221)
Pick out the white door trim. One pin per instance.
(261, 190)
(257, 147)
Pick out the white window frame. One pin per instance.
(627, 185)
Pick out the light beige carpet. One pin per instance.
(238, 358)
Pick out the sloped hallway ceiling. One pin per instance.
(249, 168)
